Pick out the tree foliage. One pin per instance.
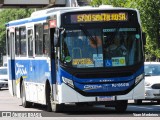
(7, 15)
(150, 16)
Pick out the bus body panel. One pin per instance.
(35, 92)
(34, 83)
(68, 95)
(65, 87)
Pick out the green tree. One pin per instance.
(150, 14)
(116, 3)
(7, 15)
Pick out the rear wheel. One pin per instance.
(138, 102)
(48, 99)
(25, 103)
(121, 105)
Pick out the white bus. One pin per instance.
(59, 56)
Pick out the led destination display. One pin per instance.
(98, 17)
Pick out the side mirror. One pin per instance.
(144, 38)
(57, 36)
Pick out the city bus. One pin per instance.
(60, 56)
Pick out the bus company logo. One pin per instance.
(6, 114)
(92, 87)
(21, 114)
(20, 69)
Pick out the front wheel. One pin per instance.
(121, 105)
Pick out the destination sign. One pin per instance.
(99, 17)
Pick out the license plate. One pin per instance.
(105, 98)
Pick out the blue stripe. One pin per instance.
(21, 22)
(11, 67)
(38, 19)
(17, 23)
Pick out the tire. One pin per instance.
(121, 106)
(25, 103)
(138, 102)
(48, 99)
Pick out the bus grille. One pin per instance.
(156, 86)
(102, 75)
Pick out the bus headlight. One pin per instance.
(68, 82)
(139, 78)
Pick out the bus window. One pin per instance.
(38, 39)
(46, 42)
(30, 42)
(17, 42)
(23, 50)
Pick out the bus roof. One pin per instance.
(51, 10)
(38, 16)
(25, 20)
(43, 14)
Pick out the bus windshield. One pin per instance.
(107, 47)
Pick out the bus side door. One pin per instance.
(31, 92)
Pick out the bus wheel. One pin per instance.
(121, 105)
(138, 102)
(48, 100)
(57, 107)
(25, 103)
